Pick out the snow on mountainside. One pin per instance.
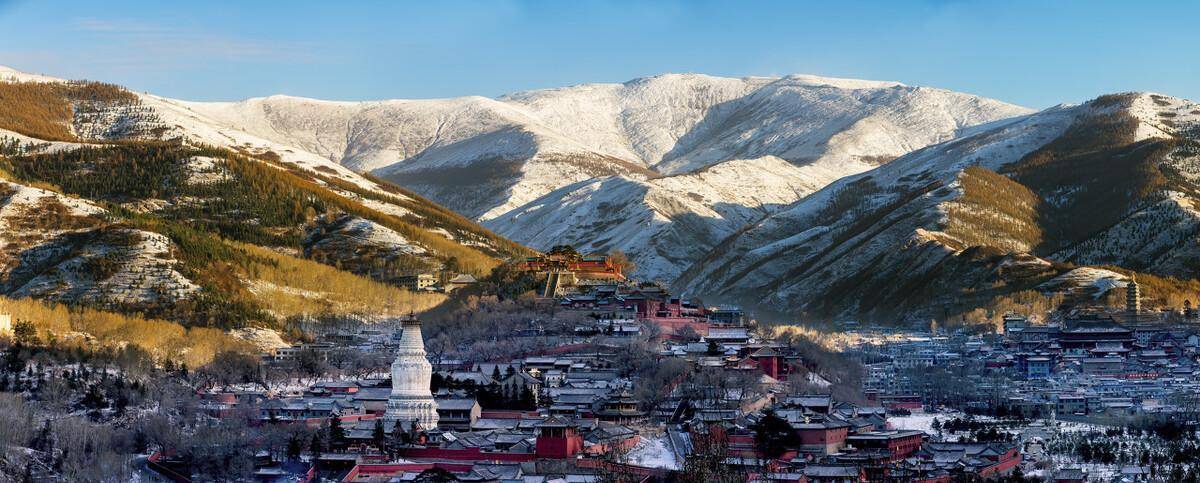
(161, 118)
(59, 248)
(519, 147)
(446, 145)
(145, 117)
(580, 164)
(133, 203)
(184, 122)
(554, 165)
(663, 224)
(988, 214)
(9, 74)
(733, 150)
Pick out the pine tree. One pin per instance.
(43, 440)
(93, 399)
(13, 362)
(527, 399)
(379, 436)
(316, 447)
(773, 435)
(337, 434)
(712, 348)
(400, 437)
(510, 396)
(294, 447)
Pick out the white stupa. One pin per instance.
(411, 399)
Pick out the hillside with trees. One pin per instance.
(119, 228)
(1054, 205)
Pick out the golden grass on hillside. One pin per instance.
(468, 259)
(1158, 291)
(195, 346)
(832, 341)
(292, 286)
(6, 175)
(44, 109)
(994, 211)
(433, 212)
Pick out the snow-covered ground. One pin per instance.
(262, 338)
(24, 198)
(920, 420)
(1092, 281)
(923, 421)
(817, 380)
(653, 452)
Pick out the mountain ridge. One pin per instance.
(929, 228)
(538, 141)
(802, 195)
(136, 206)
(494, 159)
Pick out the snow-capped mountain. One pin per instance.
(999, 210)
(131, 202)
(774, 192)
(512, 150)
(692, 158)
(799, 133)
(152, 117)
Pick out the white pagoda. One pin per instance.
(411, 399)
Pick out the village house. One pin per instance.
(458, 414)
(419, 282)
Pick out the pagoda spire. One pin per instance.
(1133, 296)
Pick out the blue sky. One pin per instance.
(1032, 53)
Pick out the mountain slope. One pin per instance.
(662, 224)
(501, 160)
(115, 201)
(1001, 210)
(92, 112)
(824, 128)
(522, 146)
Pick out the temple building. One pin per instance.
(411, 399)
